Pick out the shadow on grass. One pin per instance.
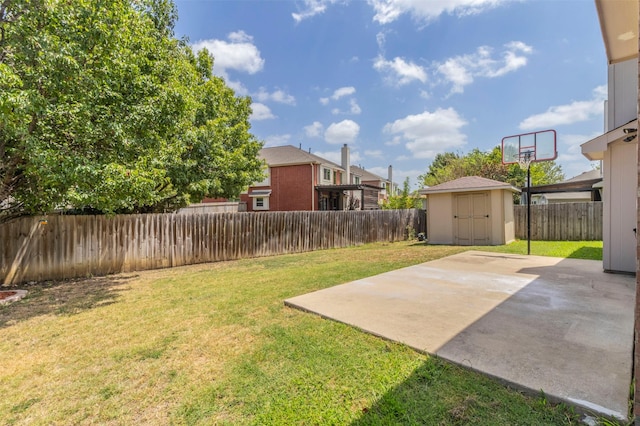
(67, 297)
(439, 393)
(589, 253)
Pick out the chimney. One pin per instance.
(391, 180)
(346, 164)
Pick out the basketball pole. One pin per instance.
(529, 209)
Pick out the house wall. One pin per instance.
(293, 188)
(619, 214)
(496, 216)
(622, 106)
(440, 218)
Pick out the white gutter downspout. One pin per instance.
(312, 188)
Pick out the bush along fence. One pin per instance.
(61, 247)
(561, 222)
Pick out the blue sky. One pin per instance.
(402, 80)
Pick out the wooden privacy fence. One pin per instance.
(59, 247)
(562, 221)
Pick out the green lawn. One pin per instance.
(214, 344)
(591, 250)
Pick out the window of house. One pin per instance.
(260, 203)
(356, 180)
(326, 174)
(335, 177)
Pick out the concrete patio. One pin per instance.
(538, 323)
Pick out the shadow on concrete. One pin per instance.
(537, 323)
(67, 297)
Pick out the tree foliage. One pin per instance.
(404, 200)
(101, 108)
(449, 165)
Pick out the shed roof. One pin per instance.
(467, 184)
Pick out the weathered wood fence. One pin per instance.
(59, 247)
(562, 221)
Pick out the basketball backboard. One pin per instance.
(532, 147)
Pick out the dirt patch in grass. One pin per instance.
(61, 297)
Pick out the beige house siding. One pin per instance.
(619, 214)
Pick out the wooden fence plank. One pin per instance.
(76, 246)
(562, 221)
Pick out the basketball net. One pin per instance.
(525, 159)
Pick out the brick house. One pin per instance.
(299, 180)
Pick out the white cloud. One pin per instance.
(426, 11)
(345, 131)
(338, 93)
(277, 96)
(237, 87)
(336, 156)
(343, 91)
(277, 140)
(354, 108)
(570, 154)
(574, 112)
(381, 40)
(398, 71)
(397, 140)
(238, 53)
(429, 133)
(376, 153)
(312, 8)
(314, 129)
(261, 112)
(461, 71)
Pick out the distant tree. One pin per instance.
(404, 200)
(101, 108)
(448, 166)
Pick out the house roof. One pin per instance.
(466, 184)
(596, 147)
(366, 175)
(619, 26)
(289, 155)
(591, 174)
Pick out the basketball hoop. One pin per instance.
(525, 159)
(525, 149)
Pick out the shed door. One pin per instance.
(471, 217)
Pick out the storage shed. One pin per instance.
(470, 211)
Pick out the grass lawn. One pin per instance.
(213, 344)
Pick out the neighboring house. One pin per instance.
(299, 180)
(617, 147)
(581, 188)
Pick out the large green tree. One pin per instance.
(102, 108)
(449, 165)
